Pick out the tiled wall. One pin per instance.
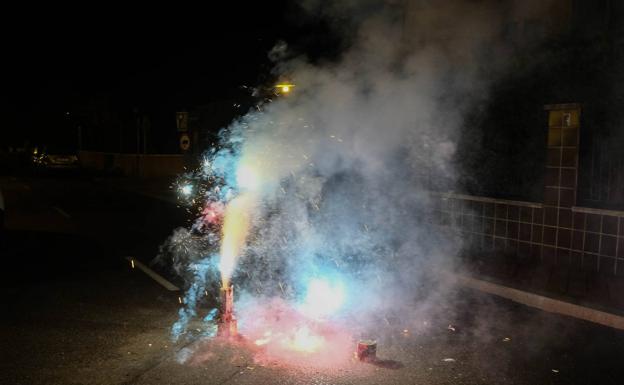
(576, 238)
(554, 232)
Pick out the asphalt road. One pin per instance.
(76, 313)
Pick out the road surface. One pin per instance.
(77, 313)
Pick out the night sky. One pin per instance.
(156, 61)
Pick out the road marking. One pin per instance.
(153, 275)
(61, 211)
(543, 303)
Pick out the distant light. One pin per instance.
(67, 113)
(186, 189)
(285, 87)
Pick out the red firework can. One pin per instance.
(366, 350)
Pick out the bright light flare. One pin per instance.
(186, 189)
(285, 87)
(304, 341)
(323, 298)
(282, 333)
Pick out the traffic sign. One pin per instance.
(185, 142)
(182, 121)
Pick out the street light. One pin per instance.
(284, 88)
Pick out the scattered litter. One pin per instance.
(449, 360)
(250, 367)
(555, 370)
(405, 331)
(150, 345)
(451, 328)
(506, 339)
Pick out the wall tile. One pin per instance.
(525, 232)
(477, 224)
(592, 242)
(568, 178)
(564, 238)
(554, 137)
(569, 137)
(568, 157)
(538, 215)
(575, 259)
(565, 218)
(488, 242)
(512, 230)
(550, 216)
(488, 209)
(501, 228)
(501, 211)
(579, 221)
(549, 235)
(593, 223)
(513, 213)
(577, 240)
(567, 197)
(537, 234)
(526, 214)
(609, 224)
(553, 157)
(477, 208)
(607, 245)
(499, 244)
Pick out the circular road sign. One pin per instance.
(185, 142)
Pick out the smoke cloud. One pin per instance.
(343, 168)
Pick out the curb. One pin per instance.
(540, 302)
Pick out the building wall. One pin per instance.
(555, 232)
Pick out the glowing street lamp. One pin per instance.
(284, 88)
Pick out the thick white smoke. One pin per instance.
(343, 167)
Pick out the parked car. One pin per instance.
(55, 157)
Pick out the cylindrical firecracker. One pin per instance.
(227, 323)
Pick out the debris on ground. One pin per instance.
(449, 360)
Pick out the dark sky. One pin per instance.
(164, 59)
